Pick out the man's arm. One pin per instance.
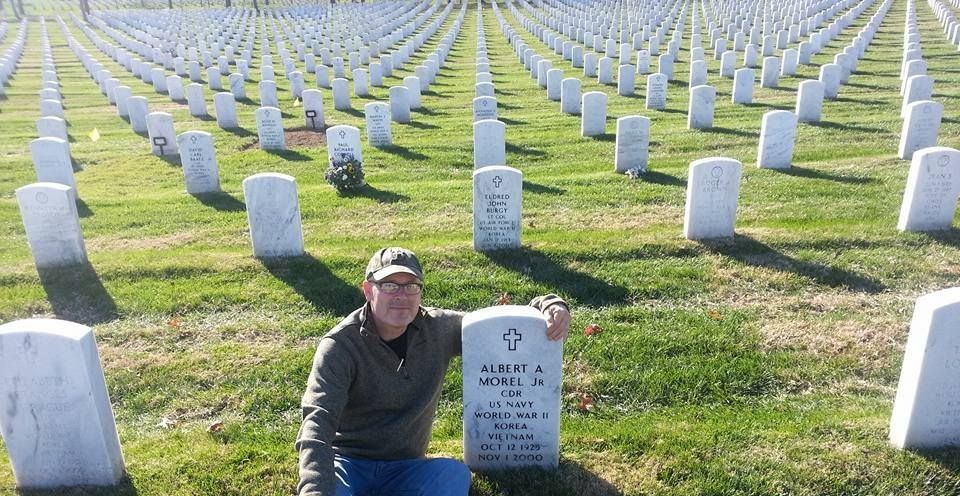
(556, 312)
(327, 389)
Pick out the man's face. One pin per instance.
(395, 310)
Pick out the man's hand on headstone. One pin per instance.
(558, 321)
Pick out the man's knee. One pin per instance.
(452, 476)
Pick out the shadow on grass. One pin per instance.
(312, 280)
(603, 137)
(239, 131)
(83, 210)
(768, 105)
(403, 152)
(221, 201)
(656, 177)
(555, 274)
(950, 237)
(290, 155)
(815, 174)
(570, 479)
(540, 189)
(510, 122)
(76, 294)
(173, 160)
(947, 458)
(422, 125)
(750, 251)
(522, 150)
(352, 111)
(425, 111)
(379, 195)
(731, 131)
(124, 488)
(847, 127)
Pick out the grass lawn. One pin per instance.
(764, 364)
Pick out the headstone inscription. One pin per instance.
(920, 127)
(484, 108)
(933, 186)
(270, 129)
(273, 213)
(199, 162)
(377, 115)
(50, 218)
(57, 421)
(497, 203)
(925, 411)
(343, 143)
(632, 143)
(713, 186)
(512, 377)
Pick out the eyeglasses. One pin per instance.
(393, 288)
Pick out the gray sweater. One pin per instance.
(362, 401)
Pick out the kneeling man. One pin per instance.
(374, 387)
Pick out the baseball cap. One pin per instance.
(394, 260)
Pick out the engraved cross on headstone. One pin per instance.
(496, 181)
(511, 337)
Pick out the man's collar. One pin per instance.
(368, 326)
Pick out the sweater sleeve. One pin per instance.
(324, 400)
(543, 302)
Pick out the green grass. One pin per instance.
(766, 364)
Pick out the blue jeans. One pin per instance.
(416, 477)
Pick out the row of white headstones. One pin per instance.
(11, 56)
(59, 429)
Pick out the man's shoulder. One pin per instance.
(347, 328)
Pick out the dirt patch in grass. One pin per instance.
(296, 138)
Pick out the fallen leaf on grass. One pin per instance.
(174, 323)
(713, 314)
(215, 427)
(591, 329)
(94, 135)
(504, 299)
(586, 403)
(167, 423)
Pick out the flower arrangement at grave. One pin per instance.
(345, 173)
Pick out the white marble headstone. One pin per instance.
(713, 186)
(512, 378)
(920, 127)
(377, 115)
(594, 119)
(489, 143)
(50, 218)
(57, 422)
(199, 162)
(484, 108)
(925, 413)
(933, 186)
(656, 91)
(343, 143)
(778, 132)
(163, 139)
(270, 129)
(313, 109)
(226, 108)
(701, 105)
(273, 213)
(52, 162)
(497, 205)
(633, 140)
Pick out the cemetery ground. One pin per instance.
(765, 364)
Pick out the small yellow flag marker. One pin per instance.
(94, 135)
(296, 102)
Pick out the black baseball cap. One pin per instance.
(394, 260)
